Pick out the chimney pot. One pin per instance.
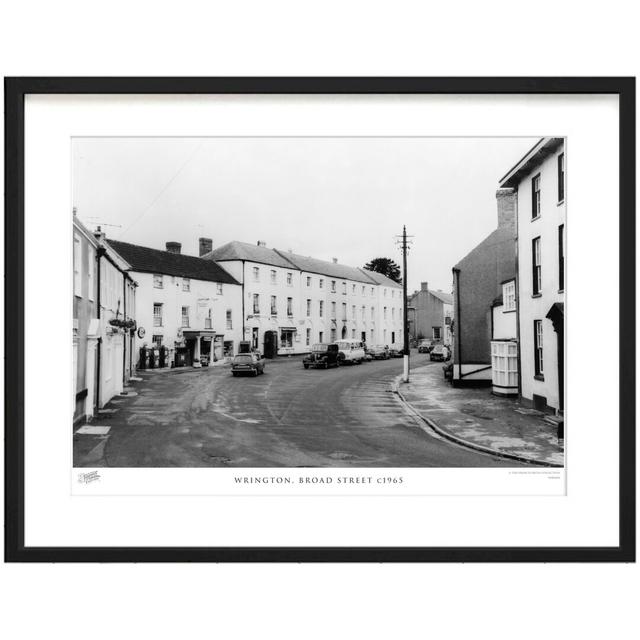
(173, 247)
(99, 234)
(506, 200)
(205, 246)
(424, 286)
(262, 243)
(335, 260)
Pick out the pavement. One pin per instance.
(476, 418)
(290, 417)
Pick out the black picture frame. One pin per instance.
(15, 91)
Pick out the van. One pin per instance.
(351, 351)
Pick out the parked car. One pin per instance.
(425, 346)
(249, 363)
(395, 352)
(367, 355)
(352, 351)
(323, 355)
(379, 352)
(440, 352)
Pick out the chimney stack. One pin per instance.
(262, 243)
(335, 260)
(173, 247)
(99, 234)
(206, 246)
(424, 286)
(506, 208)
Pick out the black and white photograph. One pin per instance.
(318, 302)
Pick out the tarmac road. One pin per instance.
(289, 417)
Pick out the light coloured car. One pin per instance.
(351, 351)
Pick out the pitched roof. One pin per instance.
(262, 255)
(147, 260)
(447, 298)
(253, 253)
(325, 268)
(380, 278)
(496, 237)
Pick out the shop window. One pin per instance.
(286, 338)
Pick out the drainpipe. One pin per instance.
(456, 275)
(124, 335)
(243, 316)
(518, 303)
(99, 254)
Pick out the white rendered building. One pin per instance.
(290, 302)
(189, 305)
(539, 180)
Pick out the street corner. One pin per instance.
(476, 418)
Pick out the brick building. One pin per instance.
(478, 281)
(430, 313)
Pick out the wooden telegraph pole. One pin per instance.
(404, 246)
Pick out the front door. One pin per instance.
(270, 344)
(254, 338)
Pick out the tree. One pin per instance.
(387, 267)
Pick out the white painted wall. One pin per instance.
(201, 297)
(504, 324)
(378, 329)
(553, 215)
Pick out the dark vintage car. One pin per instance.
(440, 353)
(323, 356)
(425, 346)
(379, 352)
(395, 352)
(247, 363)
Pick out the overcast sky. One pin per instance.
(324, 197)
